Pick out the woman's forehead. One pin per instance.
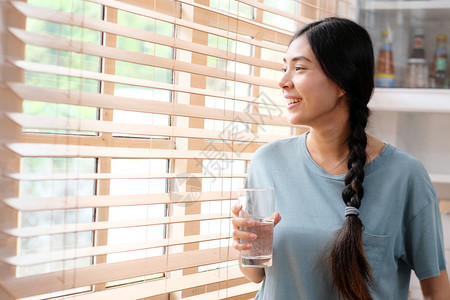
(299, 49)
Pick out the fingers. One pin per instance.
(244, 235)
(276, 218)
(239, 221)
(240, 247)
(235, 209)
(242, 222)
(238, 234)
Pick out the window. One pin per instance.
(127, 127)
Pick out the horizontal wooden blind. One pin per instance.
(127, 128)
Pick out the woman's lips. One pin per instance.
(292, 102)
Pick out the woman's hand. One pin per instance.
(252, 274)
(245, 222)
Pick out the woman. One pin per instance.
(358, 214)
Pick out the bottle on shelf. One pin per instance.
(418, 51)
(417, 74)
(384, 74)
(438, 70)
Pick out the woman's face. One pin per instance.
(312, 98)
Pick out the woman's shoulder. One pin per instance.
(392, 156)
(401, 164)
(401, 158)
(277, 147)
(276, 154)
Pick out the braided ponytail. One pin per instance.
(345, 53)
(347, 254)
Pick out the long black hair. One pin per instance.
(345, 53)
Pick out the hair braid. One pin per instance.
(347, 253)
(357, 142)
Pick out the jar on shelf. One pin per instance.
(418, 50)
(438, 70)
(417, 74)
(384, 74)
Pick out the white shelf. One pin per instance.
(431, 10)
(411, 100)
(406, 5)
(440, 178)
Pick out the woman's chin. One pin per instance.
(294, 120)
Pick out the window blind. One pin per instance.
(127, 128)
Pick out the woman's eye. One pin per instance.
(284, 70)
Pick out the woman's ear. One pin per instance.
(341, 93)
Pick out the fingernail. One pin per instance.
(250, 222)
(252, 236)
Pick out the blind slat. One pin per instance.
(140, 105)
(79, 97)
(89, 49)
(52, 256)
(276, 11)
(52, 150)
(79, 227)
(93, 176)
(231, 16)
(72, 202)
(160, 287)
(247, 289)
(46, 122)
(86, 276)
(64, 71)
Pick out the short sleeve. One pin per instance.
(424, 245)
(259, 173)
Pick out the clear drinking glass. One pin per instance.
(258, 204)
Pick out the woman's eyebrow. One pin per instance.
(296, 58)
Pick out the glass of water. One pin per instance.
(258, 204)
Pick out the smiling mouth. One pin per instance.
(293, 100)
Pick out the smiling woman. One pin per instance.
(336, 185)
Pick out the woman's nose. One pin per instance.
(285, 82)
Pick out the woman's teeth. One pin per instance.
(290, 101)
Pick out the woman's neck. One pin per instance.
(329, 149)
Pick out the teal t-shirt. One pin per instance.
(399, 211)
